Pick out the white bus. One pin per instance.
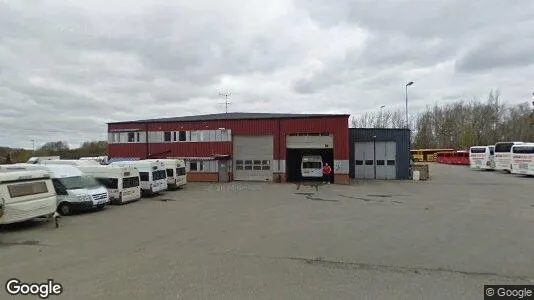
(26, 195)
(482, 157)
(75, 190)
(176, 174)
(503, 156)
(72, 162)
(312, 166)
(152, 175)
(523, 159)
(122, 183)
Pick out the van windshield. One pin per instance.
(79, 182)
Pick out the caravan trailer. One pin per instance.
(152, 175)
(75, 190)
(176, 174)
(38, 159)
(122, 183)
(26, 195)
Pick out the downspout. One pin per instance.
(279, 145)
(146, 141)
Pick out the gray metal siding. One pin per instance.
(402, 150)
(253, 157)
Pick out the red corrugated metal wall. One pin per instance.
(279, 128)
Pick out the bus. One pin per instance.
(122, 183)
(482, 157)
(428, 155)
(176, 174)
(152, 175)
(523, 159)
(312, 166)
(26, 195)
(503, 156)
(75, 190)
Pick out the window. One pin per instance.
(59, 187)
(380, 162)
(192, 166)
(478, 150)
(325, 134)
(524, 150)
(503, 147)
(158, 175)
(238, 162)
(131, 137)
(115, 137)
(248, 167)
(167, 136)
(239, 167)
(109, 183)
(266, 162)
(212, 135)
(492, 151)
(248, 162)
(27, 188)
(391, 162)
(369, 162)
(170, 172)
(265, 167)
(137, 137)
(218, 135)
(182, 136)
(143, 176)
(256, 167)
(195, 136)
(311, 165)
(130, 182)
(180, 171)
(359, 162)
(257, 162)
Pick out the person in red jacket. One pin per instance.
(327, 172)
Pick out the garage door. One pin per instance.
(253, 156)
(375, 160)
(310, 142)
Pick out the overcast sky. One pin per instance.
(68, 67)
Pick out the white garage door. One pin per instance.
(253, 157)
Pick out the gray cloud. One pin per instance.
(68, 67)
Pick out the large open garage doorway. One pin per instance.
(294, 160)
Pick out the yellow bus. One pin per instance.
(428, 155)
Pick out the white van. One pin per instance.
(312, 166)
(75, 190)
(482, 157)
(176, 175)
(72, 162)
(122, 183)
(523, 159)
(26, 195)
(152, 175)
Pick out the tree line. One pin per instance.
(59, 148)
(459, 125)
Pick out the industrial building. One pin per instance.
(379, 153)
(237, 146)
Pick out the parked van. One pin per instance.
(72, 162)
(75, 190)
(152, 175)
(122, 183)
(523, 159)
(482, 157)
(37, 159)
(312, 166)
(26, 195)
(175, 168)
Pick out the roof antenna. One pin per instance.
(225, 95)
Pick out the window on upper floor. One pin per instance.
(167, 136)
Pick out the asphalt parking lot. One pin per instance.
(440, 239)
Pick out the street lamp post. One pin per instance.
(407, 85)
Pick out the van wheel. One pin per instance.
(65, 209)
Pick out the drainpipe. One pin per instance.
(279, 146)
(146, 140)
